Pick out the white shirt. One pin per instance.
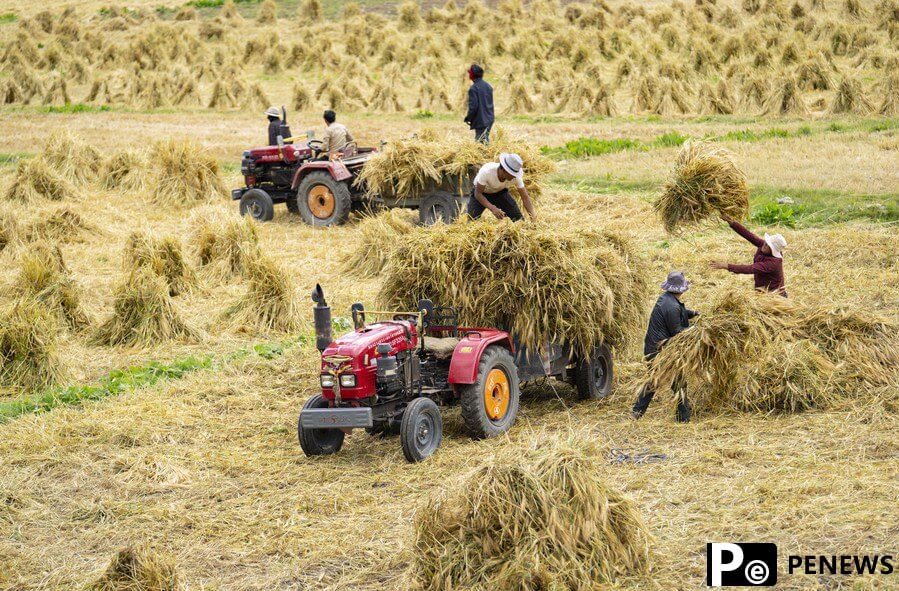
(489, 178)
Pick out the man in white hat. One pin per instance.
(491, 189)
(767, 265)
(274, 125)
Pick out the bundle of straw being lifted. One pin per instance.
(763, 352)
(705, 182)
(543, 283)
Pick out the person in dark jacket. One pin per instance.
(274, 125)
(669, 317)
(480, 104)
(767, 264)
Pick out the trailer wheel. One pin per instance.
(593, 377)
(490, 405)
(319, 442)
(257, 204)
(322, 201)
(439, 206)
(421, 429)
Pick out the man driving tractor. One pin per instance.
(336, 137)
(491, 189)
(274, 125)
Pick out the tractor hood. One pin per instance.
(292, 153)
(362, 342)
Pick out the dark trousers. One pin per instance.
(482, 134)
(501, 200)
(647, 392)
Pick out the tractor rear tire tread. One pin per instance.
(343, 199)
(474, 411)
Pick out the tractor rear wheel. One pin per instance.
(258, 204)
(319, 442)
(323, 201)
(421, 429)
(490, 405)
(438, 206)
(593, 377)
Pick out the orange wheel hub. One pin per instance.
(496, 394)
(321, 201)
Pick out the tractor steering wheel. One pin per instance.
(315, 145)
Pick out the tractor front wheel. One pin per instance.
(257, 204)
(490, 405)
(421, 429)
(593, 376)
(319, 442)
(323, 201)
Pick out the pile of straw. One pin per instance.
(223, 244)
(705, 182)
(143, 313)
(545, 283)
(163, 256)
(72, 158)
(139, 569)
(183, 174)
(124, 171)
(44, 277)
(762, 352)
(271, 302)
(406, 166)
(9, 229)
(35, 179)
(544, 520)
(376, 237)
(64, 224)
(29, 336)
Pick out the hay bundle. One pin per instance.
(143, 313)
(377, 235)
(183, 174)
(223, 244)
(302, 100)
(762, 352)
(544, 283)
(29, 356)
(890, 104)
(785, 98)
(268, 13)
(125, 171)
(716, 101)
(139, 569)
(35, 179)
(705, 182)
(851, 98)
(77, 161)
(543, 520)
(9, 229)
(270, 303)
(44, 277)
(163, 256)
(62, 225)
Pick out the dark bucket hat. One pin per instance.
(676, 282)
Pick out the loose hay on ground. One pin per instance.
(64, 224)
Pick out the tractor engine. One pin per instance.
(272, 168)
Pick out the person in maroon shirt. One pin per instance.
(767, 265)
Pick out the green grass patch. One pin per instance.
(138, 376)
(8, 17)
(12, 158)
(423, 114)
(74, 108)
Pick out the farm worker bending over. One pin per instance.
(767, 265)
(491, 189)
(274, 125)
(669, 317)
(480, 104)
(336, 136)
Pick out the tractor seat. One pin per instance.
(350, 150)
(442, 348)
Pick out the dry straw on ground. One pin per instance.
(183, 174)
(163, 256)
(29, 345)
(43, 276)
(35, 179)
(544, 520)
(143, 313)
(63, 224)
(762, 352)
(544, 283)
(139, 569)
(705, 182)
(377, 236)
(271, 302)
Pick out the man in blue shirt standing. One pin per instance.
(480, 104)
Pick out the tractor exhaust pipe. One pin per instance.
(322, 314)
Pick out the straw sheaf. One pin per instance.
(183, 174)
(29, 346)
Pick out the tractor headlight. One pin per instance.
(348, 380)
(327, 381)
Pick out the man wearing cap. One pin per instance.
(491, 189)
(274, 125)
(480, 104)
(336, 137)
(767, 265)
(669, 317)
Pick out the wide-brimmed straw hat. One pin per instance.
(676, 283)
(512, 164)
(777, 243)
(272, 112)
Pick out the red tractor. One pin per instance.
(325, 192)
(394, 372)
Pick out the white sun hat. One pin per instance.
(777, 243)
(272, 112)
(512, 164)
